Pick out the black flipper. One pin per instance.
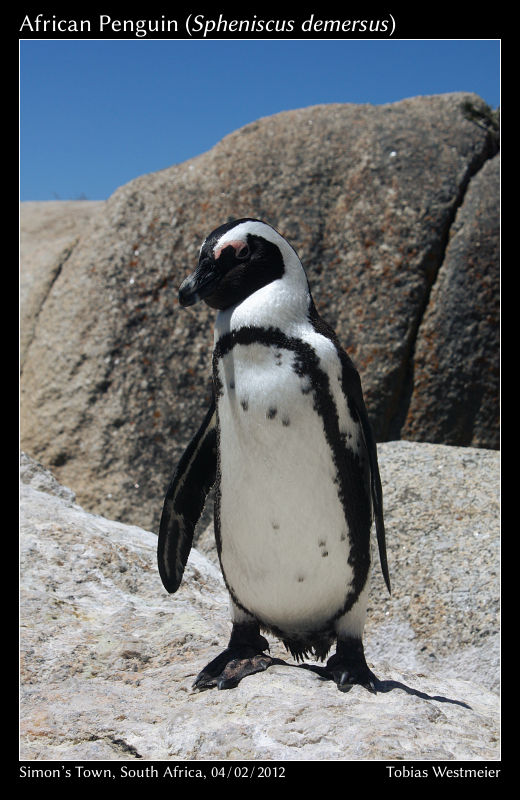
(352, 389)
(351, 385)
(184, 501)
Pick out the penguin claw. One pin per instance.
(203, 681)
(352, 673)
(344, 683)
(348, 666)
(345, 679)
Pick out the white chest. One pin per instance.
(282, 525)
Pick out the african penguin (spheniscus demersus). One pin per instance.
(288, 444)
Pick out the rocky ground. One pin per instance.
(108, 657)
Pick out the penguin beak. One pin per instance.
(200, 284)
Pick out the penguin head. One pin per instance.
(236, 260)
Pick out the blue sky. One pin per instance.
(94, 114)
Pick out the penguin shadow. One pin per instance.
(380, 686)
(375, 685)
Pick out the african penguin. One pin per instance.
(288, 445)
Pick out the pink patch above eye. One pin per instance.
(236, 245)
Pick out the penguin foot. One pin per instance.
(227, 670)
(243, 656)
(348, 667)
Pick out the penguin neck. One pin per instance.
(284, 303)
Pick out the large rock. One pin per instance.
(48, 234)
(116, 376)
(108, 657)
(456, 368)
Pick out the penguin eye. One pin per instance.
(243, 253)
